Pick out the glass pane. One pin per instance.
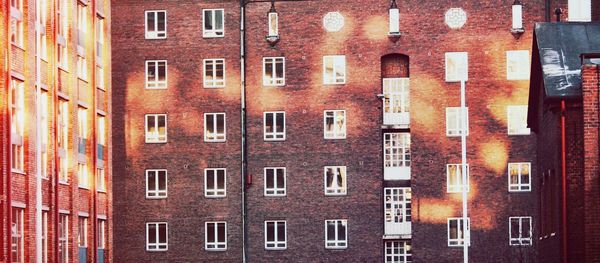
(221, 234)
(219, 69)
(162, 233)
(210, 179)
(279, 68)
(162, 71)
(341, 230)
(281, 231)
(152, 233)
(221, 179)
(330, 230)
(208, 20)
(150, 22)
(162, 181)
(269, 122)
(219, 20)
(270, 177)
(151, 181)
(280, 122)
(210, 232)
(270, 231)
(161, 21)
(514, 228)
(269, 68)
(151, 124)
(221, 123)
(280, 179)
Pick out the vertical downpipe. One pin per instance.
(463, 139)
(56, 104)
(38, 133)
(243, 121)
(8, 168)
(563, 114)
(94, 134)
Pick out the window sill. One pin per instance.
(215, 196)
(213, 141)
(83, 187)
(518, 134)
(157, 250)
(275, 195)
(336, 248)
(84, 79)
(213, 87)
(334, 84)
(159, 88)
(63, 68)
(155, 198)
(63, 182)
(274, 140)
(276, 248)
(336, 194)
(273, 85)
(213, 36)
(216, 249)
(21, 47)
(155, 38)
(15, 171)
(103, 191)
(519, 191)
(334, 138)
(156, 142)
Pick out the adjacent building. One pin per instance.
(55, 159)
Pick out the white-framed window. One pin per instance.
(335, 180)
(456, 235)
(517, 65)
(16, 22)
(63, 140)
(213, 23)
(63, 238)
(157, 236)
(336, 234)
(62, 19)
(519, 177)
(82, 130)
(580, 10)
(454, 180)
(45, 129)
(82, 68)
(396, 149)
(334, 124)
(18, 236)
(41, 25)
(156, 184)
(397, 95)
(274, 71)
(82, 232)
(156, 128)
(156, 24)
(454, 121)
(275, 181)
(156, 74)
(82, 24)
(100, 180)
(215, 236)
(274, 126)
(82, 174)
(215, 182)
(334, 70)
(275, 235)
(17, 111)
(44, 236)
(517, 120)
(214, 73)
(520, 230)
(398, 207)
(457, 66)
(273, 24)
(398, 251)
(101, 233)
(214, 127)
(101, 136)
(100, 44)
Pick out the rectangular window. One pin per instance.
(334, 70)
(41, 25)
(82, 174)
(44, 236)
(82, 130)
(457, 66)
(398, 252)
(396, 101)
(101, 136)
(215, 237)
(273, 24)
(580, 10)
(17, 110)
(63, 238)
(517, 120)
(454, 180)
(63, 140)
(214, 127)
(156, 24)
(214, 73)
(517, 65)
(82, 25)
(101, 234)
(456, 235)
(454, 121)
(156, 128)
(274, 71)
(335, 180)
(157, 236)
(213, 23)
(397, 149)
(62, 28)
(275, 181)
(100, 180)
(215, 182)
(274, 126)
(17, 244)
(16, 22)
(82, 67)
(336, 234)
(99, 38)
(519, 177)
(45, 130)
(156, 74)
(156, 184)
(275, 235)
(82, 232)
(334, 122)
(398, 205)
(520, 231)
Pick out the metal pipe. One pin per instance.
(463, 141)
(9, 139)
(563, 112)
(94, 136)
(243, 123)
(56, 104)
(38, 133)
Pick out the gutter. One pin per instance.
(563, 114)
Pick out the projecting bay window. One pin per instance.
(156, 128)
(214, 127)
(82, 238)
(81, 131)
(63, 238)
(62, 27)
(156, 184)
(335, 180)
(214, 73)
(580, 10)
(519, 177)
(336, 234)
(454, 121)
(17, 111)
(156, 24)
(44, 130)
(517, 120)
(156, 74)
(215, 182)
(334, 122)
(456, 233)
(215, 238)
(274, 71)
(397, 205)
(63, 140)
(398, 252)
(396, 147)
(520, 231)
(274, 126)
(101, 137)
(334, 70)
(17, 235)
(157, 236)
(16, 22)
(213, 23)
(275, 235)
(454, 178)
(396, 102)
(275, 181)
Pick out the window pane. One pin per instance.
(162, 180)
(210, 232)
(152, 233)
(219, 20)
(161, 21)
(341, 230)
(280, 178)
(330, 230)
(221, 179)
(162, 233)
(208, 20)
(281, 231)
(269, 122)
(270, 231)
(221, 123)
(210, 179)
(280, 122)
(151, 181)
(221, 234)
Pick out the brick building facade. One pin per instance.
(56, 203)
(335, 138)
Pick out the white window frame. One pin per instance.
(214, 82)
(154, 34)
(275, 191)
(18, 234)
(16, 14)
(396, 155)
(215, 136)
(457, 121)
(158, 246)
(398, 251)
(339, 66)
(276, 244)
(273, 18)
(523, 239)
(157, 193)
(45, 130)
(274, 135)
(215, 192)
(101, 180)
(63, 140)
(83, 176)
(456, 188)
(400, 210)
(82, 241)
(520, 185)
(17, 109)
(156, 83)
(42, 20)
(82, 130)
(517, 65)
(337, 132)
(215, 245)
(336, 189)
(460, 69)
(155, 137)
(397, 95)
(213, 33)
(336, 243)
(520, 112)
(458, 241)
(273, 81)
(101, 233)
(62, 27)
(63, 238)
(580, 10)
(45, 236)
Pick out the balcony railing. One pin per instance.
(403, 229)
(396, 119)
(396, 173)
